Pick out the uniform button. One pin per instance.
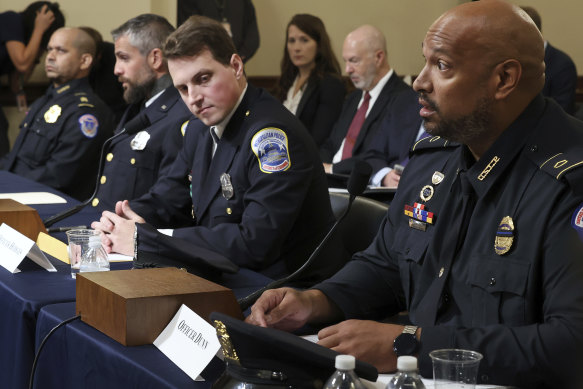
(103, 179)
(441, 272)
(229, 211)
(446, 297)
(163, 106)
(25, 125)
(109, 157)
(485, 378)
(492, 281)
(533, 148)
(95, 202)
(133, 161)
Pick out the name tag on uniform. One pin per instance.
(140, 140)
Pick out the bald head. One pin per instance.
(367, 36)
(365, 54)
(484, 65)
(70, 54)
(496, 31)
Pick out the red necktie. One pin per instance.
(355, 127)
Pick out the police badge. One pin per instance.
(52, 114)
(504, 236)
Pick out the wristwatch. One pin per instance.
(406, 343)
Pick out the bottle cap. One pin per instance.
(345, 362)
(406, 363)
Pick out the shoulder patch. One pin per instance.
(88, 124)
(432, 142)
(183, 127)
(577, 221)
(270, 146)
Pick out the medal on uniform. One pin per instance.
(426, 193)
(53, 114)
(437, 178)
(140, 140)
(418, 212)
(226, 186)
(504, 236)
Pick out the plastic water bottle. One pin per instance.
(95, 259)
(344, 376)
(407, 377)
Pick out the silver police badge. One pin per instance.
(226, 186)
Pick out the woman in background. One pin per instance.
(23, 38)
(310, 85)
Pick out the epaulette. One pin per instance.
(566, 166)
(83, 100)
(432, 142)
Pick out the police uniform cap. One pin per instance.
(266, 357)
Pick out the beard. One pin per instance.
(135, 93)
(462, 129)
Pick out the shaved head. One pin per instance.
(84, 42)
(484, 65)
(495, 31)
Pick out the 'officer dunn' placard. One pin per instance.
(189, 341)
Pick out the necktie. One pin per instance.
(355, 127)
(215, 139)
(455, 231)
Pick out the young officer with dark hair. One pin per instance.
(248, 185)
(483, 242)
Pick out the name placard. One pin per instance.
(14, 247)
(188, 341)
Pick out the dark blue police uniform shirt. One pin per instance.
(512, 291)
(60, 139)
(275, 214)
(134, 162)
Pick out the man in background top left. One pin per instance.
(61, 135)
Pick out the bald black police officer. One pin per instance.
(61, 135)
(482, 243)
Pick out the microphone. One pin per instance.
(133, 126)
(357, 183)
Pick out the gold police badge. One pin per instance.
(504, 236)
(53, 114)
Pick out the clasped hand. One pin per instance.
(117, 229)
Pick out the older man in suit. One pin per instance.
(378, 87)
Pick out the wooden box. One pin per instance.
(134, 306)
(22, 218)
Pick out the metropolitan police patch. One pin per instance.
(577, 221)
(271, 148)
(88, 125)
